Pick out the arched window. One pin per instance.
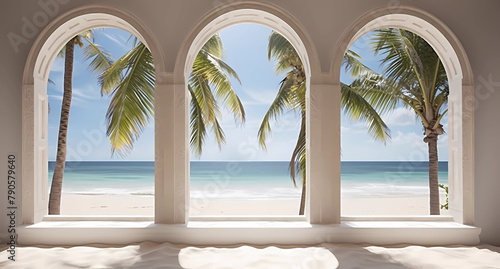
(35, 99)
(461, 107)
(386, 170)
(212, 25)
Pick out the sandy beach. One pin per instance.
(90, 204)
(79, 204)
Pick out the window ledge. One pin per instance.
(211, 232)
(77, 218)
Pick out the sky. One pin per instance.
(245, 50)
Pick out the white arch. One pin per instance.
(35, 103)
(61, 29)
(460, 104)
(248, 12)
(216, 20)
(246, 16)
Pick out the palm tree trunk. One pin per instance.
(302, 134)
(431, 140)
(303, 198)
(56, 187)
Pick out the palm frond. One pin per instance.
(114, 73)
(210, 85)
(440, 100)
(382, 93)
(399, 65)
(298, 159)
(224, 67)
(353, 65)
(101, 58)
(358, 109)
(281, 102)
(439, 118)
(197, 125)
(205, 98)
(220, 137)
(216, 72)
(282, 50)
(213, 46)
(416, 68)
(291, 95)
(132, 101)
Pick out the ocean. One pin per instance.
(247, 180)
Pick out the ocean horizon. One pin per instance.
(248, 179)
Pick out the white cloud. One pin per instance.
(355, 128)
(409, 139)
(80, 97)
(231, 123)
(287, 122)
(445, 126)
(115, 39)
(247, 103)
(261, 97)
(57, 97)
(344, 129)
(400, 117)
(413, 139)
(81, 94)
(443, 140)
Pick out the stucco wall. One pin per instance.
(473, 22)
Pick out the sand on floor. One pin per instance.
(324, 256)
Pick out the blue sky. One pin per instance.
(246, 51)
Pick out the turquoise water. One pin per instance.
(248, 180)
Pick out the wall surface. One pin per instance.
(475, 23)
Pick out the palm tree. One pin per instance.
(100, 61)
(414, 77)
(130, 81)
(291, 96)
(209, 86)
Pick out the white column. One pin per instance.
(171, 156)
(34, 152)
(468, 164)
(323, 154)
(461, 151)
(28, 155)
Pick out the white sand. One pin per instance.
(244, 207)
(75, 204)
(412, 205)
(152, 255)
